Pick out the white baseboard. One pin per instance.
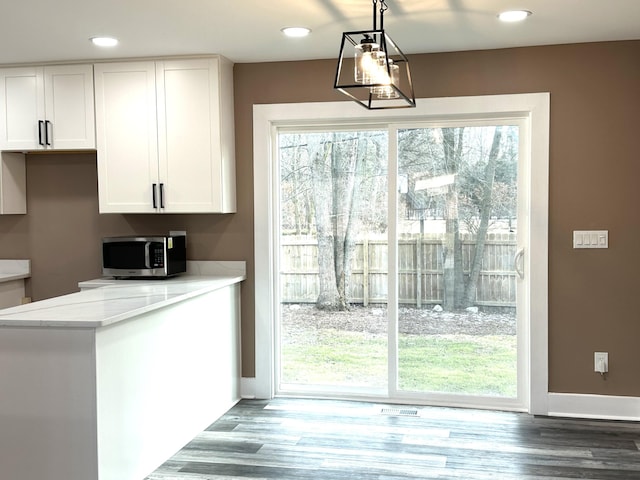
(248, 387)
(606, 407)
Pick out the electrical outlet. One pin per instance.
(601, 362)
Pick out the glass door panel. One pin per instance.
(457, 222)
(333, 261)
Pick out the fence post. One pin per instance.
(365, 272)
(419, 271)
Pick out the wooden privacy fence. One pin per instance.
(420, 270)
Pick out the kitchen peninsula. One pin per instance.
(109, 382)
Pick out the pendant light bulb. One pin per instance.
(365, 60)
(388, 79)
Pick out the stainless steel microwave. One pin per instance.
(144, 257)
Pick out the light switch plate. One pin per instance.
(591, 239)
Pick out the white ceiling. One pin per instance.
(249, 30)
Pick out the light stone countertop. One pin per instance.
(14, 270)
(99, 307)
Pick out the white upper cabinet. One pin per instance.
(165, 136)
(46, 108)
(126, 137)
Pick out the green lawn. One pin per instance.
(466, 364)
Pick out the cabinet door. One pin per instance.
(189, 133)
(69, 106)
(126, 136)
(21, 108)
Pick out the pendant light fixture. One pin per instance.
(372, 70)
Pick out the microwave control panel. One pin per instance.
(158, 258)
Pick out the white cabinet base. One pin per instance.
(162, 379)
(115, 402)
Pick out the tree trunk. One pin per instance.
(353, 206)
(319, 153)
(336, 168)
(449, 253)
(295, 170)
(341, 180)
(485, 214)
(453, 279)
(337, 172)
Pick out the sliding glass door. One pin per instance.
(397, 258)
(457, 222)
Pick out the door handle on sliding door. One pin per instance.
(518, 263)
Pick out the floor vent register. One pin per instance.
(406, 412)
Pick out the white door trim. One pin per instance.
(534, 106)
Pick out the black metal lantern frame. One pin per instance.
(393, 90)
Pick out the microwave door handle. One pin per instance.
(147, 254)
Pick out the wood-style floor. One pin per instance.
(287, 439)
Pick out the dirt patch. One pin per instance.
(414, 321)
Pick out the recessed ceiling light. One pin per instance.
(514, 15)
(296, 31)
(104, 41)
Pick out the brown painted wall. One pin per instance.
(594, 171)
(594, 166)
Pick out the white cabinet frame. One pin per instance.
(165, 136)
(47, 108)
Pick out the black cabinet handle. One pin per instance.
(40, 125)
(155, 204)
(47, 127)
(162, 195)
